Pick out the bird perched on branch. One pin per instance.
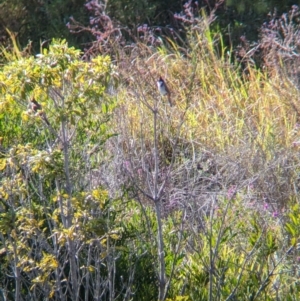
(164, 90)
(37, 108)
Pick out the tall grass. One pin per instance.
(228, 150)
(218, 107)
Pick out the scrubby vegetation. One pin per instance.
(109, 193)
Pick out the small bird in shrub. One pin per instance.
(164, 90)
(37, 108)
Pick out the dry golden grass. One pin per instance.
(217, 105)
(245, 118)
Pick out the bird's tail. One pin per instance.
(44, 117)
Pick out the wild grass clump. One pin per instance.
(245, 123)
(228, 161)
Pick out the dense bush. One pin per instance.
(108, 193)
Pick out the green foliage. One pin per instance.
(44, 207)
(244, 19)
(232, 259)
(75, 88)
(38, 21)
(292, 226)
(258, 6)
(54, 217)
(133, 13)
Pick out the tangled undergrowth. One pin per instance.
(108, 193)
